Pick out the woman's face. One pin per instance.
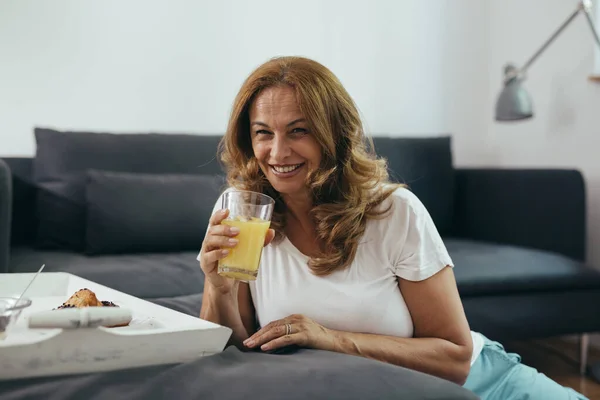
(283, 145)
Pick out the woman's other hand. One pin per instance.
(294, 330)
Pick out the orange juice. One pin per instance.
(243, 259)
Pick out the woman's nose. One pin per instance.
(280, 149)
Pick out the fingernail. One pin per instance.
(224, 252)
(249, 343)
(223, 211)
(233, 229)
(233, 241)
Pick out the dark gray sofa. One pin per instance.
(517, 236)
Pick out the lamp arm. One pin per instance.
(584, 5)
(580, 7)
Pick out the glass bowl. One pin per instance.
(10, 311)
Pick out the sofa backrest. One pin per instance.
(424, 164)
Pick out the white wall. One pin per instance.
(414, 67)
(565, 131)
(175, 66)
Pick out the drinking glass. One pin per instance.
(251, 213)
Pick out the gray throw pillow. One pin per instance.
(62, 159)
(132, 213)
(236, 375)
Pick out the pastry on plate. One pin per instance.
(86, 298)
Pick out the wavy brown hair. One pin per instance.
(351, 182)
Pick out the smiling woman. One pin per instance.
(295, 135)
(353, 263)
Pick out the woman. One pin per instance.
(354, 263)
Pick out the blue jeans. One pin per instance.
(498, 375)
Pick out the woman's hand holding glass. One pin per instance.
(217, 244)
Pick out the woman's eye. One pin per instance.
(299, 130)
(263, 132)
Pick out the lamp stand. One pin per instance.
(584, 6)
(514, 103)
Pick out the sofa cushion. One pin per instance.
(486, 269)
(189, 304)
(425, 165)
(62, 159)
(145, 276)
(137, 213)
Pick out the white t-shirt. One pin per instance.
(364, 297)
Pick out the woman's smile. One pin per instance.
(287, 171)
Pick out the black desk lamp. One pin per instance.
(514, 103)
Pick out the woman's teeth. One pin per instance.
(287, 168)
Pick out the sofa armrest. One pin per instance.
(537, 208)
(5, 215)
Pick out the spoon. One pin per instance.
(33, 279)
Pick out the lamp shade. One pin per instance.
(513, 103)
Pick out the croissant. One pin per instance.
(86, 298)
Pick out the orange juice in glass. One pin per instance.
(250, 212)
